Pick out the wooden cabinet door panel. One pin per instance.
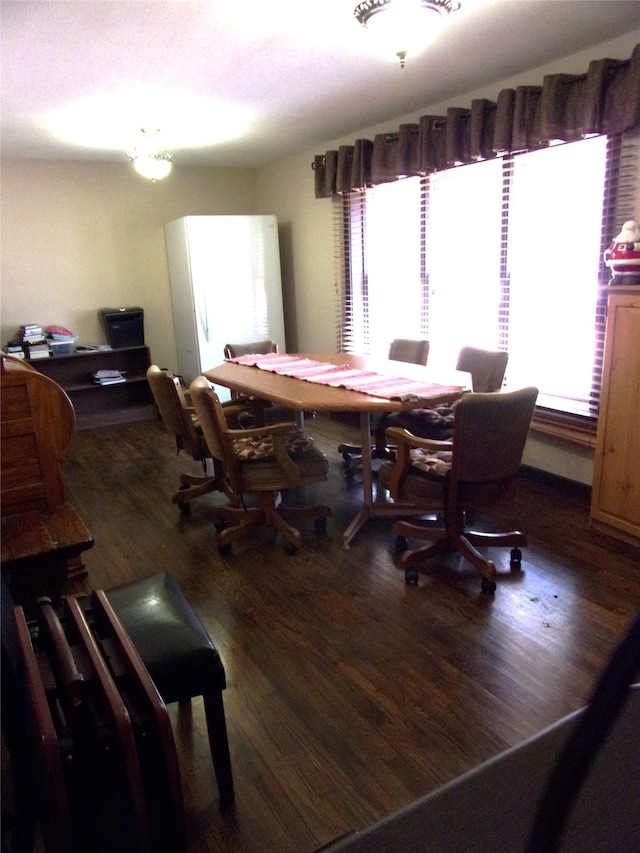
(616, 487)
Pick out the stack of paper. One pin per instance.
(108, 377)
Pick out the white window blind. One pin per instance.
(553, 262)
(502, 254)
(464, 228)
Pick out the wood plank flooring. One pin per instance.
(349, 693)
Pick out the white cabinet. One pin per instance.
(225, 287)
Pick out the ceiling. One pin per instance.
(247, 82)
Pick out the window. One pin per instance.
(502, 254)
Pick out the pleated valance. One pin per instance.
(566, 107)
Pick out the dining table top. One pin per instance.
(305, 395)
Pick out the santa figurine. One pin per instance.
(623, 255)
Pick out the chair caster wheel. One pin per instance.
(185, 508)
(320, 525)
(225, 550)
(516, 558)
(220, 525)
(411, 577)
(401, 545)
(488, 586)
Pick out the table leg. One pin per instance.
(363, 515)
(372, 508)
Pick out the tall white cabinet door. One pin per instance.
(225, 286)
(182, 299)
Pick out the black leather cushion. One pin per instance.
(169, 636)
(12, 670)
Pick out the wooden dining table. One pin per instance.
(303, 395)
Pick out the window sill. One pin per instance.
(581, 434)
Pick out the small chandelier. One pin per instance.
(147, 160)
(405, 22)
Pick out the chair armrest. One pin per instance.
(398, 435)
(287, 464)
(404, 442)
(257, 432)
(278, 434)
(253, 406)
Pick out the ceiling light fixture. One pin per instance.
(147, 160)
(406, 25)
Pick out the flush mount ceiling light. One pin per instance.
(147, 160)
(405, 26)
(153, 166)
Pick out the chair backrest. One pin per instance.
(412, 352)
(490, 432)
(174, 410)
(236, 350)
(262, 347)
(487, 367)
(38, 423)
(213, 421)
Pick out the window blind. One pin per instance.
(502, 254)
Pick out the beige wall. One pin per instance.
(79, 236)
(306, 246)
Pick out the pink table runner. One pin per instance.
(343, 376)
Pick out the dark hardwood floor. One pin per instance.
(349, 693)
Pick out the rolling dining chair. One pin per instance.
(262, 462)
(250, 347)
(180, 421)
(487, 369)
(400, 349)
(477, 468)
(408, 350)
(264, 412)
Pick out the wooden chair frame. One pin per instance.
(179, 419)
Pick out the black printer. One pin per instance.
(124, 327)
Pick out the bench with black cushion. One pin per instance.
(180, 656)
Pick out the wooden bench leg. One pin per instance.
(219, 745)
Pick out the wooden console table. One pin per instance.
(41, 532)
(37, 548)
